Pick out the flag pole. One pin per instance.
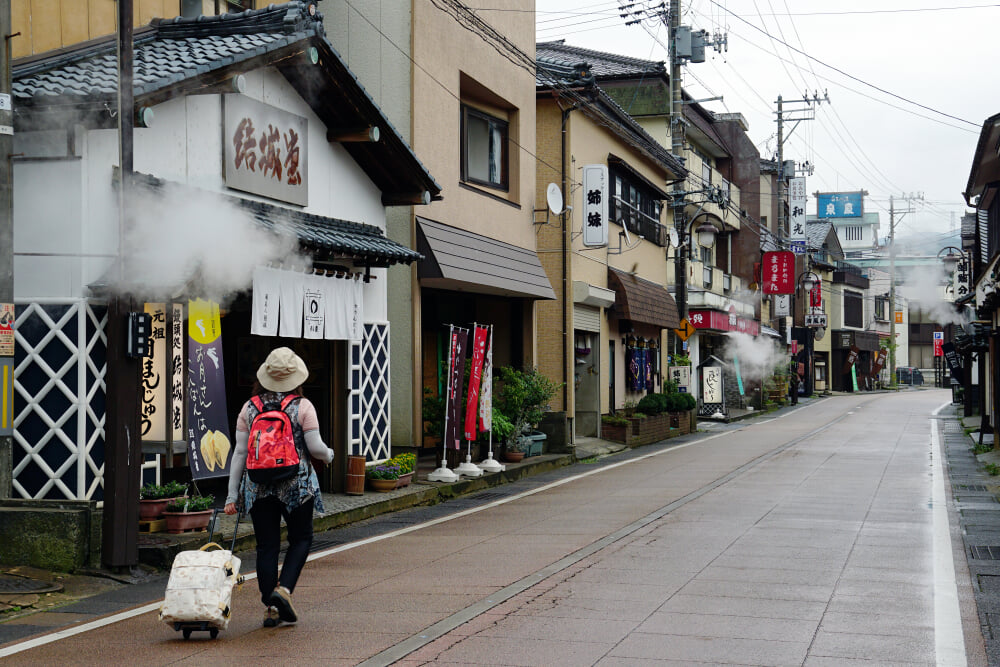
(467, 467)
(443, 474)
(489, 464)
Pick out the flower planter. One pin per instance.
(404, 480)
(186, 522)
(513, 457)
(382, 485)
(152, 509)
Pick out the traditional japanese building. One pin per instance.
(255, 217)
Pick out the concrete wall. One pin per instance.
(53, 535)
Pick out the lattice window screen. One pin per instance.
(368, 380)
(59, 400)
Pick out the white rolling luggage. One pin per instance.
(200, 589)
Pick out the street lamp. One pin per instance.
(705, 234)
(808, 281)
(951, 259)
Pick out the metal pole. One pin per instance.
(892, 293)
(6, 248)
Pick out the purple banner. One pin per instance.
(456, 371)
(209, 445)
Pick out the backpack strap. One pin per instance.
(287, 400)
(257, 403)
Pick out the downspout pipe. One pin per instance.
(565, 263)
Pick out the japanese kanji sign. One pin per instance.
(839, 205)
(797, 214)
(209, 444)
(265, 150)
(595, 205)
(778, 272)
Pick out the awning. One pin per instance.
(640, 300)
(457, 259)
(768, 331)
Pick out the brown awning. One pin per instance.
(640, 300)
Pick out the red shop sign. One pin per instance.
(779, 272)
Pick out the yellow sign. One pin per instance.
(899, 317)
(685, 331)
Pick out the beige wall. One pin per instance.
(587, 143)
(444, 52)
(52, 24)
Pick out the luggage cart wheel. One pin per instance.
(213, 633)
(187, 633)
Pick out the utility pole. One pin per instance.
(6, 260)
(676, 148)
(892, 278)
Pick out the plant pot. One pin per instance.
(186, 522)
(383, 485)
(513, 457)
(404, 480)
(152, 509)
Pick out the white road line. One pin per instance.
(949, 642)
(155, 606)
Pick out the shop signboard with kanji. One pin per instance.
(266, 150)
(938, 343)
(595, 205)
(797, 214)
(779, 272)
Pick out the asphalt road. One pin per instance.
(821, 537)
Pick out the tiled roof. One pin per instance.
(356, 239)
(561, 75)
(167, 52)
(601, 64)
(816, 233)
(181, 56)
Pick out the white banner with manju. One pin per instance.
(209, 443)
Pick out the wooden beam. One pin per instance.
(406, 198)
(363, 134)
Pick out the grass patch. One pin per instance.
(982, 448)
(589, 459)
(993, 469)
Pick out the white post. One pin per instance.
(489, 464)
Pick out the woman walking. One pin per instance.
(290, 491)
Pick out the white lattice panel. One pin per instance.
(59, 400)
(368, 380)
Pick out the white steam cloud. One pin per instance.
(924, 288)
(758, 357)
(184, 238)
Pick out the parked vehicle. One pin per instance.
(909, 375)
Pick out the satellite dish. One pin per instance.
(674, 241)
(553, 195)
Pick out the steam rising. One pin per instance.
(924, 288)
(757, 356)
(198, 243)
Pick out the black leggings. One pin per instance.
(266, 514)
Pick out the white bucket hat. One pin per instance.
(282, 371)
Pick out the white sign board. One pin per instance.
(711, 384)
(595, 205)
(682, 376)
(781, 306)
(797, 214)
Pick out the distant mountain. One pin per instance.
(927, 243)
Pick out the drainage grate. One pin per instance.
(969, 487)
(985, 553)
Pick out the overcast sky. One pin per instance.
(905, 108)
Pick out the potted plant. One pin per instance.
(383, 476)
(153, 499)
(523, 399)
(188, 514)
(407, 463)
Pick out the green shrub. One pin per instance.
(614, 420)
(653, 404)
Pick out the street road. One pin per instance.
(821, 537)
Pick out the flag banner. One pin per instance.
(486, 388)
(456, 369)
(475, 377)
(739, 375)
(209, 444)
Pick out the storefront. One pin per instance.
(853, 356)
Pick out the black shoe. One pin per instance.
(271, 620)
(281, 599)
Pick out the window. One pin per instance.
(484, 149)
(638, 207)
(853, 310)
(706, 171)
(854, 233)
(882, 308)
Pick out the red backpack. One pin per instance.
(272, 455)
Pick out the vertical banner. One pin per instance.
(475, 377)
(938, 343)
(595, 205)
(6, 330)
(816, 296)
(486, 390)
(739, 375)
(797, 214)
(456, 369)
(854, 376)
(954, 362)
(879, 362)
(209, 445)
(177, 372)
(779, 273)
(153, 400)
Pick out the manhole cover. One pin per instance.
(13, 584)
(985, 553)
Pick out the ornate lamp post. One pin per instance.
(808, 281)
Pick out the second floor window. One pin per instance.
(484, 149)
(637, 207)
(854, 233)
(853, 310)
